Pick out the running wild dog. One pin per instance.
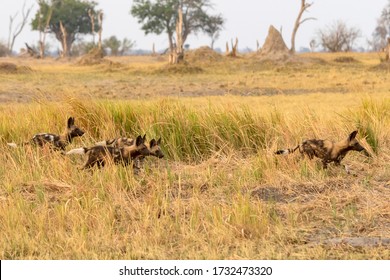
(59, 142)
(153, 145)
(328, 151)
(100, 155)
(117, 142)
(154, 148)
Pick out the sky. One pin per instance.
(248, 20)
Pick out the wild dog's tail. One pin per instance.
(78, 151)
(287, 151)
(14, 145)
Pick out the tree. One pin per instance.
(127, 45)
(177, 54)
(68, 19)
(42, 33)
(313, 45)
(212, 28)
(113, 44)
(382, 30)
(161, 16)
(338, 37)
(14, 32)
(118, 47)
(81, 47)
(298, 22)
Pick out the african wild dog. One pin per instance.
(58, 142)
(327, 150)
(153, 146)
(100, 155)
(117, 142)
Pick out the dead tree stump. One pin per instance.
(387, 51)
(100, 20)
(177, 53)
(31, 51)
(64, 40)
(234, 52)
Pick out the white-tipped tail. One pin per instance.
(282, 152)
(101, 143)
(13, 145)
(78, 151)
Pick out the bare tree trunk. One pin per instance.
(387, 50)
(42, 34)
(153, 50)
(233, 53)
(227, 51)
(11, 22)
(177, 55)
(64, 40)
(100, 19)
(298, 22)
(212, 43)
(19, 27)
(170, 39)
(313, 45)
(92, 18)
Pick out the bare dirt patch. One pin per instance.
(354, 241)
(297, 192)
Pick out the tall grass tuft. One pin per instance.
(371, 118)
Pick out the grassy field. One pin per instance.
(219, 192)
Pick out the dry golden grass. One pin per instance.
(220, 192)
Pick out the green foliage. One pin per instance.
(113, 44)
(72, 13)
(82, 47)
(160, 16)
(155, 17)
(118, 47)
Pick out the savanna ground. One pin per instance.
(220, 192)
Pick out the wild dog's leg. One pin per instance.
(100, 163)
(90, 163)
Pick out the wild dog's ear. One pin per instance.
(70, 122)
(352, 135)
(139, 140)
(159, 141)
(152, 143)
(144, 138)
